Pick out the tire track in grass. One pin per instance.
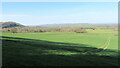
(105, 46)
(108, 42)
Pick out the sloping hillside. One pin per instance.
(10, 24)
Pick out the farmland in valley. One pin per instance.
(95, 48)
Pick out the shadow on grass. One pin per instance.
(31, 52)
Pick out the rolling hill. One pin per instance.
(10, 24)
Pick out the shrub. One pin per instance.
(13, 30)
(80, 31)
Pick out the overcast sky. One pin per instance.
(38, 13)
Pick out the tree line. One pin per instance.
(43, 29)
(54, 29)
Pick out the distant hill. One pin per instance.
(10, 24)
(64, 25)
(77, 25)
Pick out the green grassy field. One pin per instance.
(61, 49)
(95, 38)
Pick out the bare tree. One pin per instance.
(13, 30)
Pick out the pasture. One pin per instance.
(95, 48)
